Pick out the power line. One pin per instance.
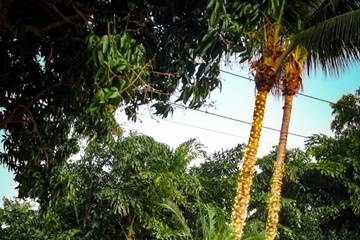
(211, 130)
(235, 119)
(316, 98)
(207, 129)
(301, 94)
(237, 75)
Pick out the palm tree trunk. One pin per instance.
(276, 182)
(246, 176)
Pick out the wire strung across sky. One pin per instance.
(212, 130)
(239, 120)
(301, 94)
(205, 129)
(235, 119)
(246, 122)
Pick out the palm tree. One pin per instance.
(317, 44)
(263, 65)
(291, 84)
(273, 40)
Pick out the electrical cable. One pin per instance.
(235, 119)
(301, 94)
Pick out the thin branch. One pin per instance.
(61, 15)
(35, 128)
(59, 23)
(137, 77)
(10, 119)
(81, 14)
(36, 30)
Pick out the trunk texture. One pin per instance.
(276, 181)
(246, 176)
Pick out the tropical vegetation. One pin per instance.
(137, 188)
(68, 66)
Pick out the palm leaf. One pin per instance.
(333, 43)
(172, 207)
(214, 225)
(321, 10)
(298, 13)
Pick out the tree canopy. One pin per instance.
(67, 66)
(137, 187)
(134, 188)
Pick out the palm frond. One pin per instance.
(333, 43)
(173, 208)
(297, 13)
(325, 9)
(214, 225)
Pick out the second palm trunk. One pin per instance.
(278, 172)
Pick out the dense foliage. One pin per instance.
(137, 188)
(218, 175)
(67, 66)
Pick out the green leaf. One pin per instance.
(105, 43)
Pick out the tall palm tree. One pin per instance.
(291, 84)
(333, 42)
(276, 39)
(269, 51)
(265, 79)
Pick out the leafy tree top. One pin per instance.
(67, 66)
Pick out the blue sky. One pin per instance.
(7, 185)
(236, 100)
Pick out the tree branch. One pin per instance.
(36, 30)
(10, 119)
